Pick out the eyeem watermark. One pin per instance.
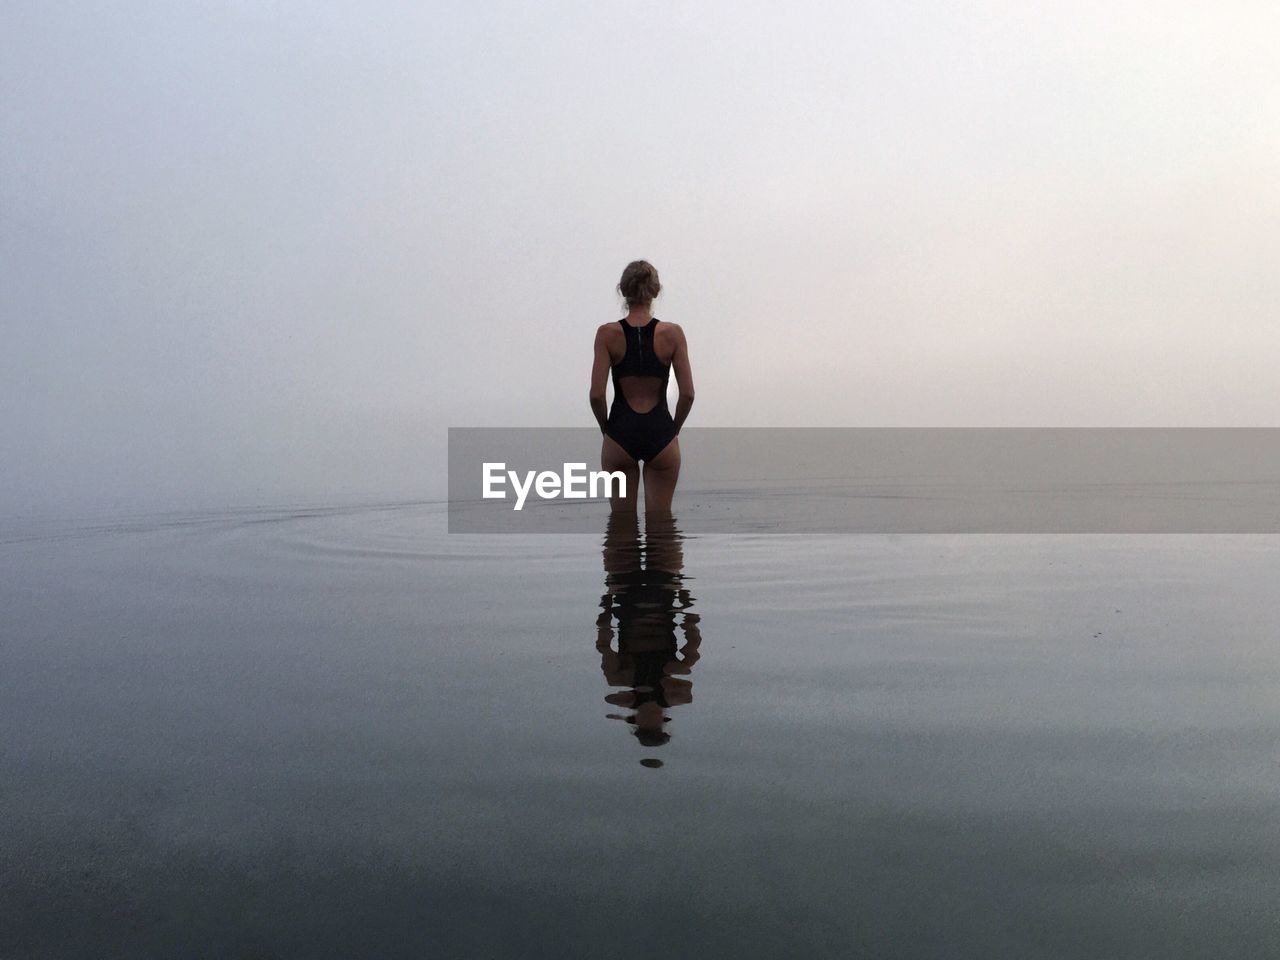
(573, 484)
(887, 480)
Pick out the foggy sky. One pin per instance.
(264, 252)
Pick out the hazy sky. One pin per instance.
(266, 251)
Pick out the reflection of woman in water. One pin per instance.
(646, 596)
(641, 352)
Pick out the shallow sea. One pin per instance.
(343, 732)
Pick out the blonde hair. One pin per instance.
(639, 283)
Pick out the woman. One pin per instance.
(641, 352)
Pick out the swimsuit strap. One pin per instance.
(640, 356)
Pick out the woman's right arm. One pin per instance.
(684, 378)
(600, 378)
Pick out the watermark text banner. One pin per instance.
(886, 480)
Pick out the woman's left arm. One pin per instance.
(600, 379)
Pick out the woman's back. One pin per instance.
(641, 363)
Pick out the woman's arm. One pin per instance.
(600, 378)
(684, 378)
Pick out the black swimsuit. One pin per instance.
(642, 435)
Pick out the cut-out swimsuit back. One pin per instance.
(642, 435)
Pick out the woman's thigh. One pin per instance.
(660, 476)
(614, 458)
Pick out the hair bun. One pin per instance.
(639, 284)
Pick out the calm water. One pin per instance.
(344, 733)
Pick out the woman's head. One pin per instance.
(639, 284)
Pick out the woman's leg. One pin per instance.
(613, 457)
(660, 476)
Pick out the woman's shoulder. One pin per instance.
(667, 330)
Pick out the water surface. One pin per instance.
(343, 732)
